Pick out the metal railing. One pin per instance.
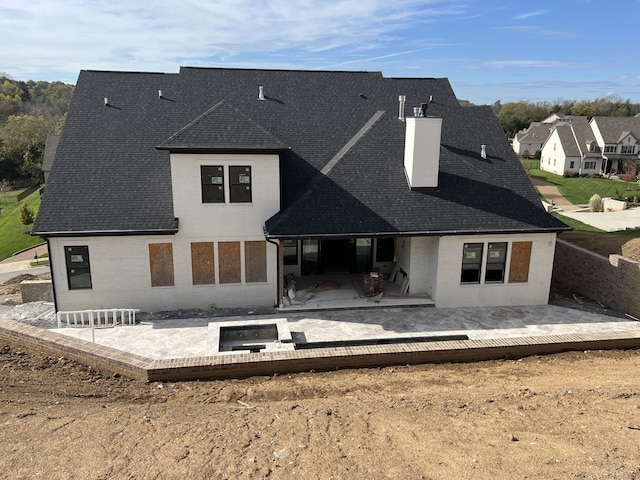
(97, 318)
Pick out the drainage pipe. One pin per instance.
(278, 276)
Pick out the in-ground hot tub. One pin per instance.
(246, 336)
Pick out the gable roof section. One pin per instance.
(367, 193)
(611, 127)
(222, 128)
(574, 138)
(537, 132)
(112, 168)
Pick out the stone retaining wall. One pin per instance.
(613, 281)
(36, 291)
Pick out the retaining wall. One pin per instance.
(36, 291)
(613, 281)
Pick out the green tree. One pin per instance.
(10, 98)
(25, 214)
(22, 141)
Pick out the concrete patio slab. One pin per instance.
(170, 338)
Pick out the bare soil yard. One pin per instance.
(573, 415)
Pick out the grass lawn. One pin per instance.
(12, 232)
(579, 190)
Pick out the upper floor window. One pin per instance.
(628, 148)
(212, 178)
(610, 148)
(592, 147)
(239, 184)
(78, 267)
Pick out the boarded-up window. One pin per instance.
(520, 260)
(255, 261)
(161, 261)
(202, 266)
(229, 262)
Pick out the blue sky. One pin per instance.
(544, 50)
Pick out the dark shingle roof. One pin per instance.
(222, 127)
(110, 177)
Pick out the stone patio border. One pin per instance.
(270, 363)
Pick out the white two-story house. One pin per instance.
(619, 141)
(207, 187)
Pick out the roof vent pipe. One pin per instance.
(261, 93)
(106, 102)
(483, 151)
(430, 98)
(401, 99)
(159, 93)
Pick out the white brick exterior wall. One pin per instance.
(120, 269)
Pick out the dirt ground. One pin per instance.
(605, 243)
(572, 415)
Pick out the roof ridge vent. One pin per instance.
(261, 93)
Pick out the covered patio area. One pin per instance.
(345, 292)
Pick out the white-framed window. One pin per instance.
(610, 148)
(589, 165)
(628, 149)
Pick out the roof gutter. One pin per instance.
(418, 233)
(105, 233)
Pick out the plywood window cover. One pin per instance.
(229, 263)
(203, 263)
(161, 264)
(520, 262)
(255, 260)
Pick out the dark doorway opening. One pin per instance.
(337, 256)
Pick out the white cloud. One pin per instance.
(530, 64)
(66, 36)
(534, 13)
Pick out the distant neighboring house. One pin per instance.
(50, 148)
(532, 138)
(208, 187)
(619, 141)
(571, 148)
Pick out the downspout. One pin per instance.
(53, 277)
(278, 276)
